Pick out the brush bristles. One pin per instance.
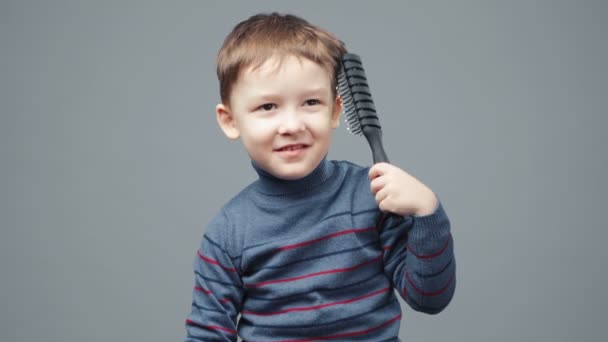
(357, 104)
(348, 104)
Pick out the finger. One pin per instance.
(381, 195)
(385, 204)
(376, 184)
(377, 170)
(374, 172)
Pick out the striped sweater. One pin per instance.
(303, 261)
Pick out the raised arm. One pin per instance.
(416, 239)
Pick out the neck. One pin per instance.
(270, 185)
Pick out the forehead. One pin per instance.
(283, 73)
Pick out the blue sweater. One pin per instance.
(303, 261)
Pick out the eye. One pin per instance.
(312, 102)
(267, 107)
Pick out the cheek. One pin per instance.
(259, 130)
(321, 128)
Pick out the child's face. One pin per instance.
(284, 115)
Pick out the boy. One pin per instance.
(296, 253)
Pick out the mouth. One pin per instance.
(292, 147)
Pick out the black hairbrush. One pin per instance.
(358, 105)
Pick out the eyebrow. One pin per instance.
(273, 96)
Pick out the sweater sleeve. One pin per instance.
(217, 293)
(419, 259)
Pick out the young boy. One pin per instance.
(296, 253)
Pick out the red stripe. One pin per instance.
(344, 232)
(211, 261)
(348, 334)
(200, 289)
(433, 293)
(317, 307)
(212, 327)
(431, 256)
(337, 270)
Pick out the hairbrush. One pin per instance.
(359, 110)
(358, 105)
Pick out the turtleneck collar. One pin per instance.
(271, 185)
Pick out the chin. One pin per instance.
(293, 174)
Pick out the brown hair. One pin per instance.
(262, 36)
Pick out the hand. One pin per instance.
(399, 193)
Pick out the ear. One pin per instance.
(335, 115)
(227, 122)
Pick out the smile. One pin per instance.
(292, 147)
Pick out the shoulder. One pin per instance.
(356, 185)
(225, 227)
(348, 165)
(352, 171)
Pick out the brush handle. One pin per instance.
(374, 138)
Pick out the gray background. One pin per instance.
(112, 163)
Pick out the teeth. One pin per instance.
(291, 147)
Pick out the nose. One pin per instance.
(291, 123)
